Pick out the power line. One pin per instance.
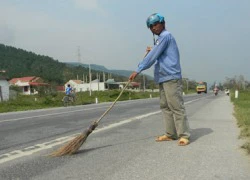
(78, 54)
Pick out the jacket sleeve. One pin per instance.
(153, 55)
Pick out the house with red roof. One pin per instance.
(29, 85)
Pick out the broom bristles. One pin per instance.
(71, 147)
(74, 145)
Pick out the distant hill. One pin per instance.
(19, 63)
(101, 68)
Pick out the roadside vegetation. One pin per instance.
(241, 106)
(242, 114)
(31, 102)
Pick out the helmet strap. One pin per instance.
(154, 38)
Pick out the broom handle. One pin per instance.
(97, 121)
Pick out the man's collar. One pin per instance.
(162, 32)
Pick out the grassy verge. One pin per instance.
(26, 102)
(191, 91)
(242, 114)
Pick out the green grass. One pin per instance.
(31, 102)
(242, 114)
(190, 91)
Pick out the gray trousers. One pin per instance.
(173, 109)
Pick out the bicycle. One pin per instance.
(69, 100)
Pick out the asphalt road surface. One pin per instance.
(123, 146)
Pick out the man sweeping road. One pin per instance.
(167, 73)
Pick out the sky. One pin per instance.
(213, 36)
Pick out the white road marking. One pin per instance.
(191, 101)
(52, 114)
(39, 147)
(47, 145)
(66, 112)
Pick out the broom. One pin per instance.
(72, 146)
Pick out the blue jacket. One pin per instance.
(68, 90)
(165, 55)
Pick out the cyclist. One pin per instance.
(68, 90)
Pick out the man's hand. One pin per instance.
(148, 49)
(133, 76)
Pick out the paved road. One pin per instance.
(127, 150)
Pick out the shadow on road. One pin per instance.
(195, 134)
(115, 144)
(199, 132)
(91, 149)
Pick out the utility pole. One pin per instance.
(98, 80)
(103, 77)
(187, 83)
(90, 79)
(1, 93)
(186, 79)
(79, 55)
(144, 84)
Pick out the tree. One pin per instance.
(237, 82)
